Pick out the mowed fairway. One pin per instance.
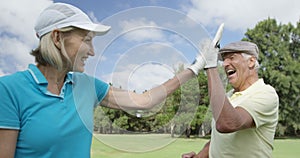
(144, 146)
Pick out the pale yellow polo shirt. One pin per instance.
(261, 101)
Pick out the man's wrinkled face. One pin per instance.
(236, 68)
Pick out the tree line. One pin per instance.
(186, 112)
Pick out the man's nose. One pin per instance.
(225, 62)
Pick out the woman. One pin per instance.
(46, 111)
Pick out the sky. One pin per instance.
(148, 39)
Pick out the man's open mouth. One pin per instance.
(230, 72)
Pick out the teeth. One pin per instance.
(230, 72)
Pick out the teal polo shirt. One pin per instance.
(50, 126)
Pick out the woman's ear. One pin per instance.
(55, 34)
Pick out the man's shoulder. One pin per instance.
(268, 88)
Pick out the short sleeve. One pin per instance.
(96, 89)
(101, 89)
(9, 115)
(263, 107)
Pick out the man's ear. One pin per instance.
(251, 62)
(55, 34)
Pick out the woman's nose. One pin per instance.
(91, 52)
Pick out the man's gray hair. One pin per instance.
(247, 56)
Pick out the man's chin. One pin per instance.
(231, 82)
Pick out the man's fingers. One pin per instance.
(188, 155)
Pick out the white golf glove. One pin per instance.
(208, 58)
(198, 64)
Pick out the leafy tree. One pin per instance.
(121, 124)
(101, 121)
(184, 110)
(279, 56)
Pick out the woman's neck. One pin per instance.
(54, 77)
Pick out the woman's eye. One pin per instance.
(87, 40)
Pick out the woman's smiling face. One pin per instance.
(78, 45)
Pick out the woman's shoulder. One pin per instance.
(79, 77)
(15, 80)
(14, 77)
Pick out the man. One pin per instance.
(244, 121)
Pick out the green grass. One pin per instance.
(162, 146)
(286, 148)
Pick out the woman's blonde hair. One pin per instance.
(48, 54)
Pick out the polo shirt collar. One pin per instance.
(42, 82)
(39, 78)
(253, 87)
